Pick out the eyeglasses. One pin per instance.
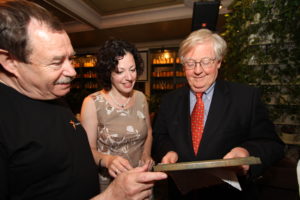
(205, 63)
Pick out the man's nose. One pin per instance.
(69, 69)
(198, 68)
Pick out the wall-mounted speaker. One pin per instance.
(205, 15)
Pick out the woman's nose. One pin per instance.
(128, 75)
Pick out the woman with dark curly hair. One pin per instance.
(116, 118)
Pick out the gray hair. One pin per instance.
(200, 36)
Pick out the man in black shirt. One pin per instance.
(44, 152)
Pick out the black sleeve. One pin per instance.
(161, 140)
(262, 140)
(3, 170)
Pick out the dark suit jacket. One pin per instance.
(236, 117)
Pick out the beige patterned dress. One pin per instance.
(121, 131)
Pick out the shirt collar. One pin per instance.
(208, 92)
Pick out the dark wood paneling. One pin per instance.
(170, 30)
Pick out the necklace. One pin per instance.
(117, 103)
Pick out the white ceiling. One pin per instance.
(92, 14)
(146, 23)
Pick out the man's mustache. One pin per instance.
(65, 80)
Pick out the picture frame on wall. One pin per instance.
(144, 75)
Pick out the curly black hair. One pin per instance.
(108, 59)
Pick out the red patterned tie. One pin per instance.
(197, 122)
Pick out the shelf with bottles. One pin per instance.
(163, 64)
(166, 85)
(165, 58)
(167, 74)
(87, 84)
(167, 80)
(166, 70)
(86, 61)
(86, 75)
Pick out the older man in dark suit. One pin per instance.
(213, 119)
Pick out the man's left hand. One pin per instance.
(239, 152)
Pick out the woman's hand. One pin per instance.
(116, 165)
(146, 159)
(170, 157)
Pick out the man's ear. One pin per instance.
(8, 62)
(219, 64)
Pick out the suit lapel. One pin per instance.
(184, 121)
(217, 112)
